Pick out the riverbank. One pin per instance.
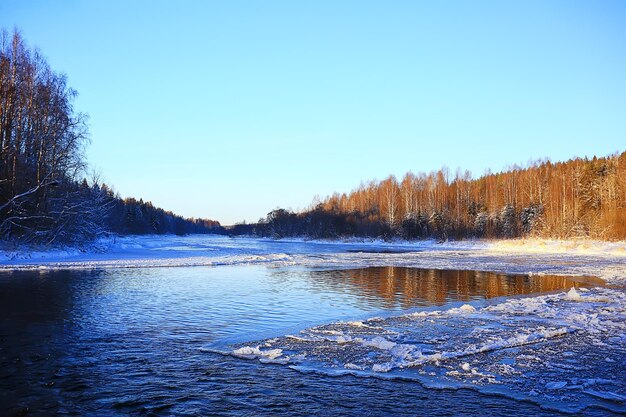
(528, 256)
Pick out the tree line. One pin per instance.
(131, 216)
(43, 198)
(578, 198)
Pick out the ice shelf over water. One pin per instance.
(564, 351)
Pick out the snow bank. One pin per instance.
(601, 259)
(570, 247)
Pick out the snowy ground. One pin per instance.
(602, 259)
(565, 351)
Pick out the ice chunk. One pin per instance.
(379, 342)
(248, 352)
(606, 395)
(556, 385)
(382, 367)
(573, 295)
(464, 309)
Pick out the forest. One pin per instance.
(44, 195)
(577, 198)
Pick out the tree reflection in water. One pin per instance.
(401, 287)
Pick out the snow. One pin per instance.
(605, 260)
(576, 247)
(144, 252)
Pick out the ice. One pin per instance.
(384, 367)
(546, 349)
(255, 352)
(356, 323)
(264, 356)
(379, 343)
(464, 309)
(353, 366)
(605, 395)
(573, 295)
(556, 385)
(602, 259)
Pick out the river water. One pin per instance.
(142, 341)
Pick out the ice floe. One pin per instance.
(550, 349)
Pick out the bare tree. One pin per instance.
(41, 143)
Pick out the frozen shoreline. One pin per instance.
(606, 260)
(562, 351)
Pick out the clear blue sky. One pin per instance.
(229, 109)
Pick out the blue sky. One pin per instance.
(229, 109)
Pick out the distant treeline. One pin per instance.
(43, 198)
(130, 216)
(577, 198)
